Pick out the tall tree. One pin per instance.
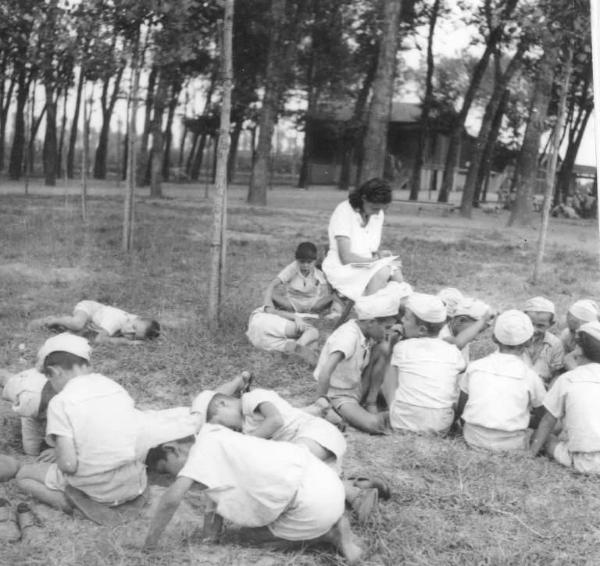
(375, 141)
(454, 144)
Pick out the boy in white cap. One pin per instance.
(579, 312)
(545, 353)
(574, 398)
(499, 391)
(265, 414)
(421, 386)
(279, 487)
(466, 320)
(350, 369)
(111, 325)
(93, 427)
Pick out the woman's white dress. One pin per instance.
(351, 279)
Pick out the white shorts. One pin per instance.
(88, 307)
(420, 419)
(583, 462)
(496, 440)
(328, 436)
(112, 487)
(267, 331)
(317, 506)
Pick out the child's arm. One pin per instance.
(75, 322)
(301, 326)
(325, 375)
(268, 299)
(470, 333)
(66, 454)
(166, 508)
(272, 422)
(542, 433)
(460, 407)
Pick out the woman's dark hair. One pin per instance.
(375, 190)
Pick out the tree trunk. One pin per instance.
(107, 107)
(143, 157)
(74, 123)
(235, 141)
(63, 127)
(415, 182)
(552, 161)
(85, 153)
(453, 154)
(219, 228)
(491, 109)
(156, 156)
(17, 150)
(259, 178)
(5, 103)
(50, 149)
(527, 165)
(132, 107)
(488, 150)
(375, 141)
(166, 164)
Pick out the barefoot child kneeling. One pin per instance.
(93, 426)
(278, 487)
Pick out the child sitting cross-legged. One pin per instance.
(299, 289)
(93, 427)
(111, 325)
(499, 391)
(545, 352)
(421, 386)
(265, 414)
(279, 489)
(351, 367)
(574, 398)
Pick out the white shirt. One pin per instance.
(352, 343)
(428, 371)
(345, 221)
(502, 389)
(575, 398)
(252, 480)
(104, 317)
(293, 418)
(99, 415)
(303, 290)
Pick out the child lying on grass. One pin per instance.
(300, 288)
(499, 391)
(574, 398)
(279, 489)
(265, 414)
(110, 324)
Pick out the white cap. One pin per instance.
(428, 308)
(585, 310)
(591, 328)
(513, 328)
(24, 391)
(450, 297)
(470, 307)
(385, 302)
(200, 406)
(65, 342)
(539, 304)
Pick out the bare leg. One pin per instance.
(550, 444)
(31, 480)
(378, 281)
(375, 373)
(342, 538)
(281, 301)
(363, 420)
(75, 322)
(309, 337)
(322, 304)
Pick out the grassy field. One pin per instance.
(451, 505)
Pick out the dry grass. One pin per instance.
(451, 505)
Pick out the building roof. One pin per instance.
(341, 111)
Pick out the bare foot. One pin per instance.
(341, 536)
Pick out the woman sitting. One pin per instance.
(354, 265)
